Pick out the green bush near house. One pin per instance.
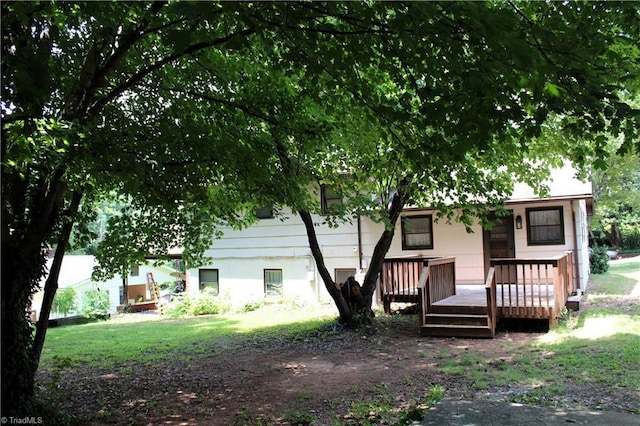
(598, 260)
(206, 303)
(95, 304)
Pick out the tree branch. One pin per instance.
(140, 75)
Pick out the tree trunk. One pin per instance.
(23, 263)
(51, 285)
(382, 246)
(330, 285)
(375, 266)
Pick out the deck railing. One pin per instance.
(442, 279)
(533, 288)
(399, 280)
(437, 282)
(492, 310)
(401, 277)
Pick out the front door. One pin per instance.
(499, 241)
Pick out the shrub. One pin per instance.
(179, 306)
(598, 260)
(65, 301)
(205, 304)
(631, 239)
(96, 304)
(252, 306)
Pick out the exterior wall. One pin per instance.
(449, 240)
(582, 243)
(242, 256)
(524, 250)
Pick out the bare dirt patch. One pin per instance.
(267, 381)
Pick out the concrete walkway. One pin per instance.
(457, 412)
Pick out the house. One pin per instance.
(271, 260)
(75, 273)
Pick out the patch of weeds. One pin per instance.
(415, 414)
(377, 410)
(443, 353)
(305, 395)
(452, 367)
(299, 417)
(60, 364)
(243, 418)
(470, 358)
(408, 379)
(434, 395)
(252, 306)
(542, 395)
(422, 353)
(204, 411)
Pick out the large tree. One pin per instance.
(68, 70)
(185, 108)
(444, 104)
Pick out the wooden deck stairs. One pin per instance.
(458, 321)
(514, 288)
(447, 317)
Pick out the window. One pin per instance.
(417, 232)
(265, 212)
(135, 271)
(342, 274)
(209, 279)
(273, 283)
(330, 197)
(545, 226)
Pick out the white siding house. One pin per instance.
(271, 260)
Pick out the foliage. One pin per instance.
(252, 306)
(95, 304)
(616, 222)
(299, 417)
(206, 303)
(598, 260)
(65, 301)
(181, 109)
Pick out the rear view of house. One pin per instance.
(271, 260)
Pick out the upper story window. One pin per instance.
(329, 197)
(265, 212)
(545, 226)
(135, 271)
(417, 232)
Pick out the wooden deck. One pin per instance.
(514, 288)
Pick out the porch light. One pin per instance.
(518, 222)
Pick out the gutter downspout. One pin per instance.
(575, 245)
(359, 244)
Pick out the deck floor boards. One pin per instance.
(475, 295)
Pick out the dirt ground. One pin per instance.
(263, 381)
(260, 381)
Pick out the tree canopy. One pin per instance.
(194, 114)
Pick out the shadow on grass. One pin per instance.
(125, 339)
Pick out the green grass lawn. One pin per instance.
(597, 347)
(151, 337)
